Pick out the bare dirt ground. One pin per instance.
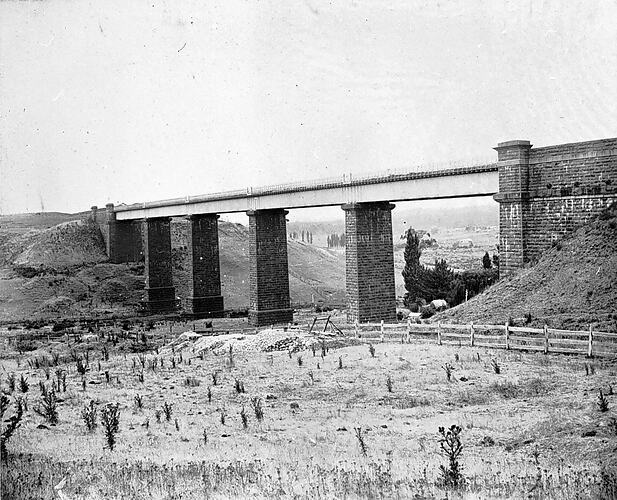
(533, 430)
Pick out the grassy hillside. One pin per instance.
(62, 270)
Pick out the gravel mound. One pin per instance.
(268, 340)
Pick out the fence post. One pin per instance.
(590, 346)
(381, 330)
(545, 339)
(439, 332)
(408, 328)
(507, 336)
(471, 334)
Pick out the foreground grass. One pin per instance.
(531, 431)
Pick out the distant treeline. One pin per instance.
(336, 240)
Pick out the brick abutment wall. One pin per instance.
(545, 193)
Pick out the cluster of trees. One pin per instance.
(424, 284)
(336, 240)
(307, 236)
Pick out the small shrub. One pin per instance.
(88, 415)
(81, 366)
(9, 425)
(209, 394)
(215, 378)
(205, 436)
(239, 386)
(168, 409)
(139, 401)
(340, 362)
(361, 442)
(24, 386)
(313, 349)
(157, 415)
(389, 383)
(11, 382)
(496, 367)
(223, 415)
(371, 350)
(448, 368)
(450, 446)
(300, 361)
(192, 382)
(602, 402)
(256, 403)
(244, 417)
(48, 407)
(612, 426)
(110, 419)
(176, 424)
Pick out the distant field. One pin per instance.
(531, 431)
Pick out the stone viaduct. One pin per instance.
(543, 193)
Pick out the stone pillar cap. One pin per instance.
(513, 143)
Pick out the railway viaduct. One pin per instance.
(543, 193)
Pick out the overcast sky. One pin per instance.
(126, 101)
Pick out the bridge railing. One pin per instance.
(589, 342)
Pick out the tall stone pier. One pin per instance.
(268, 268)
(369, 260)
(205, 299)
(160, 294)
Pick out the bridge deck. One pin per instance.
(476, 180)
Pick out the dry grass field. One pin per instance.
(533, 430)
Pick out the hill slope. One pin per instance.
(573, 285)
(62, 270)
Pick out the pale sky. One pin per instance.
(128, 101)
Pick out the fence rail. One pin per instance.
(589, 342)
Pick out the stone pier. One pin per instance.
(160, 294)
(369, 260)
(123, 238)
(205, 299)
(268, 271)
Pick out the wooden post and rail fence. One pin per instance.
(547, 340)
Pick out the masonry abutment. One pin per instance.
(205, 299)
(513, 196)
(268, 268)
(123, 239)
(546, 193)
(369, 261)
(160, 294)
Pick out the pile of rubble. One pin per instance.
(264, 341)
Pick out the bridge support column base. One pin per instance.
(161, 300)
(271, 317)
(205, 307)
